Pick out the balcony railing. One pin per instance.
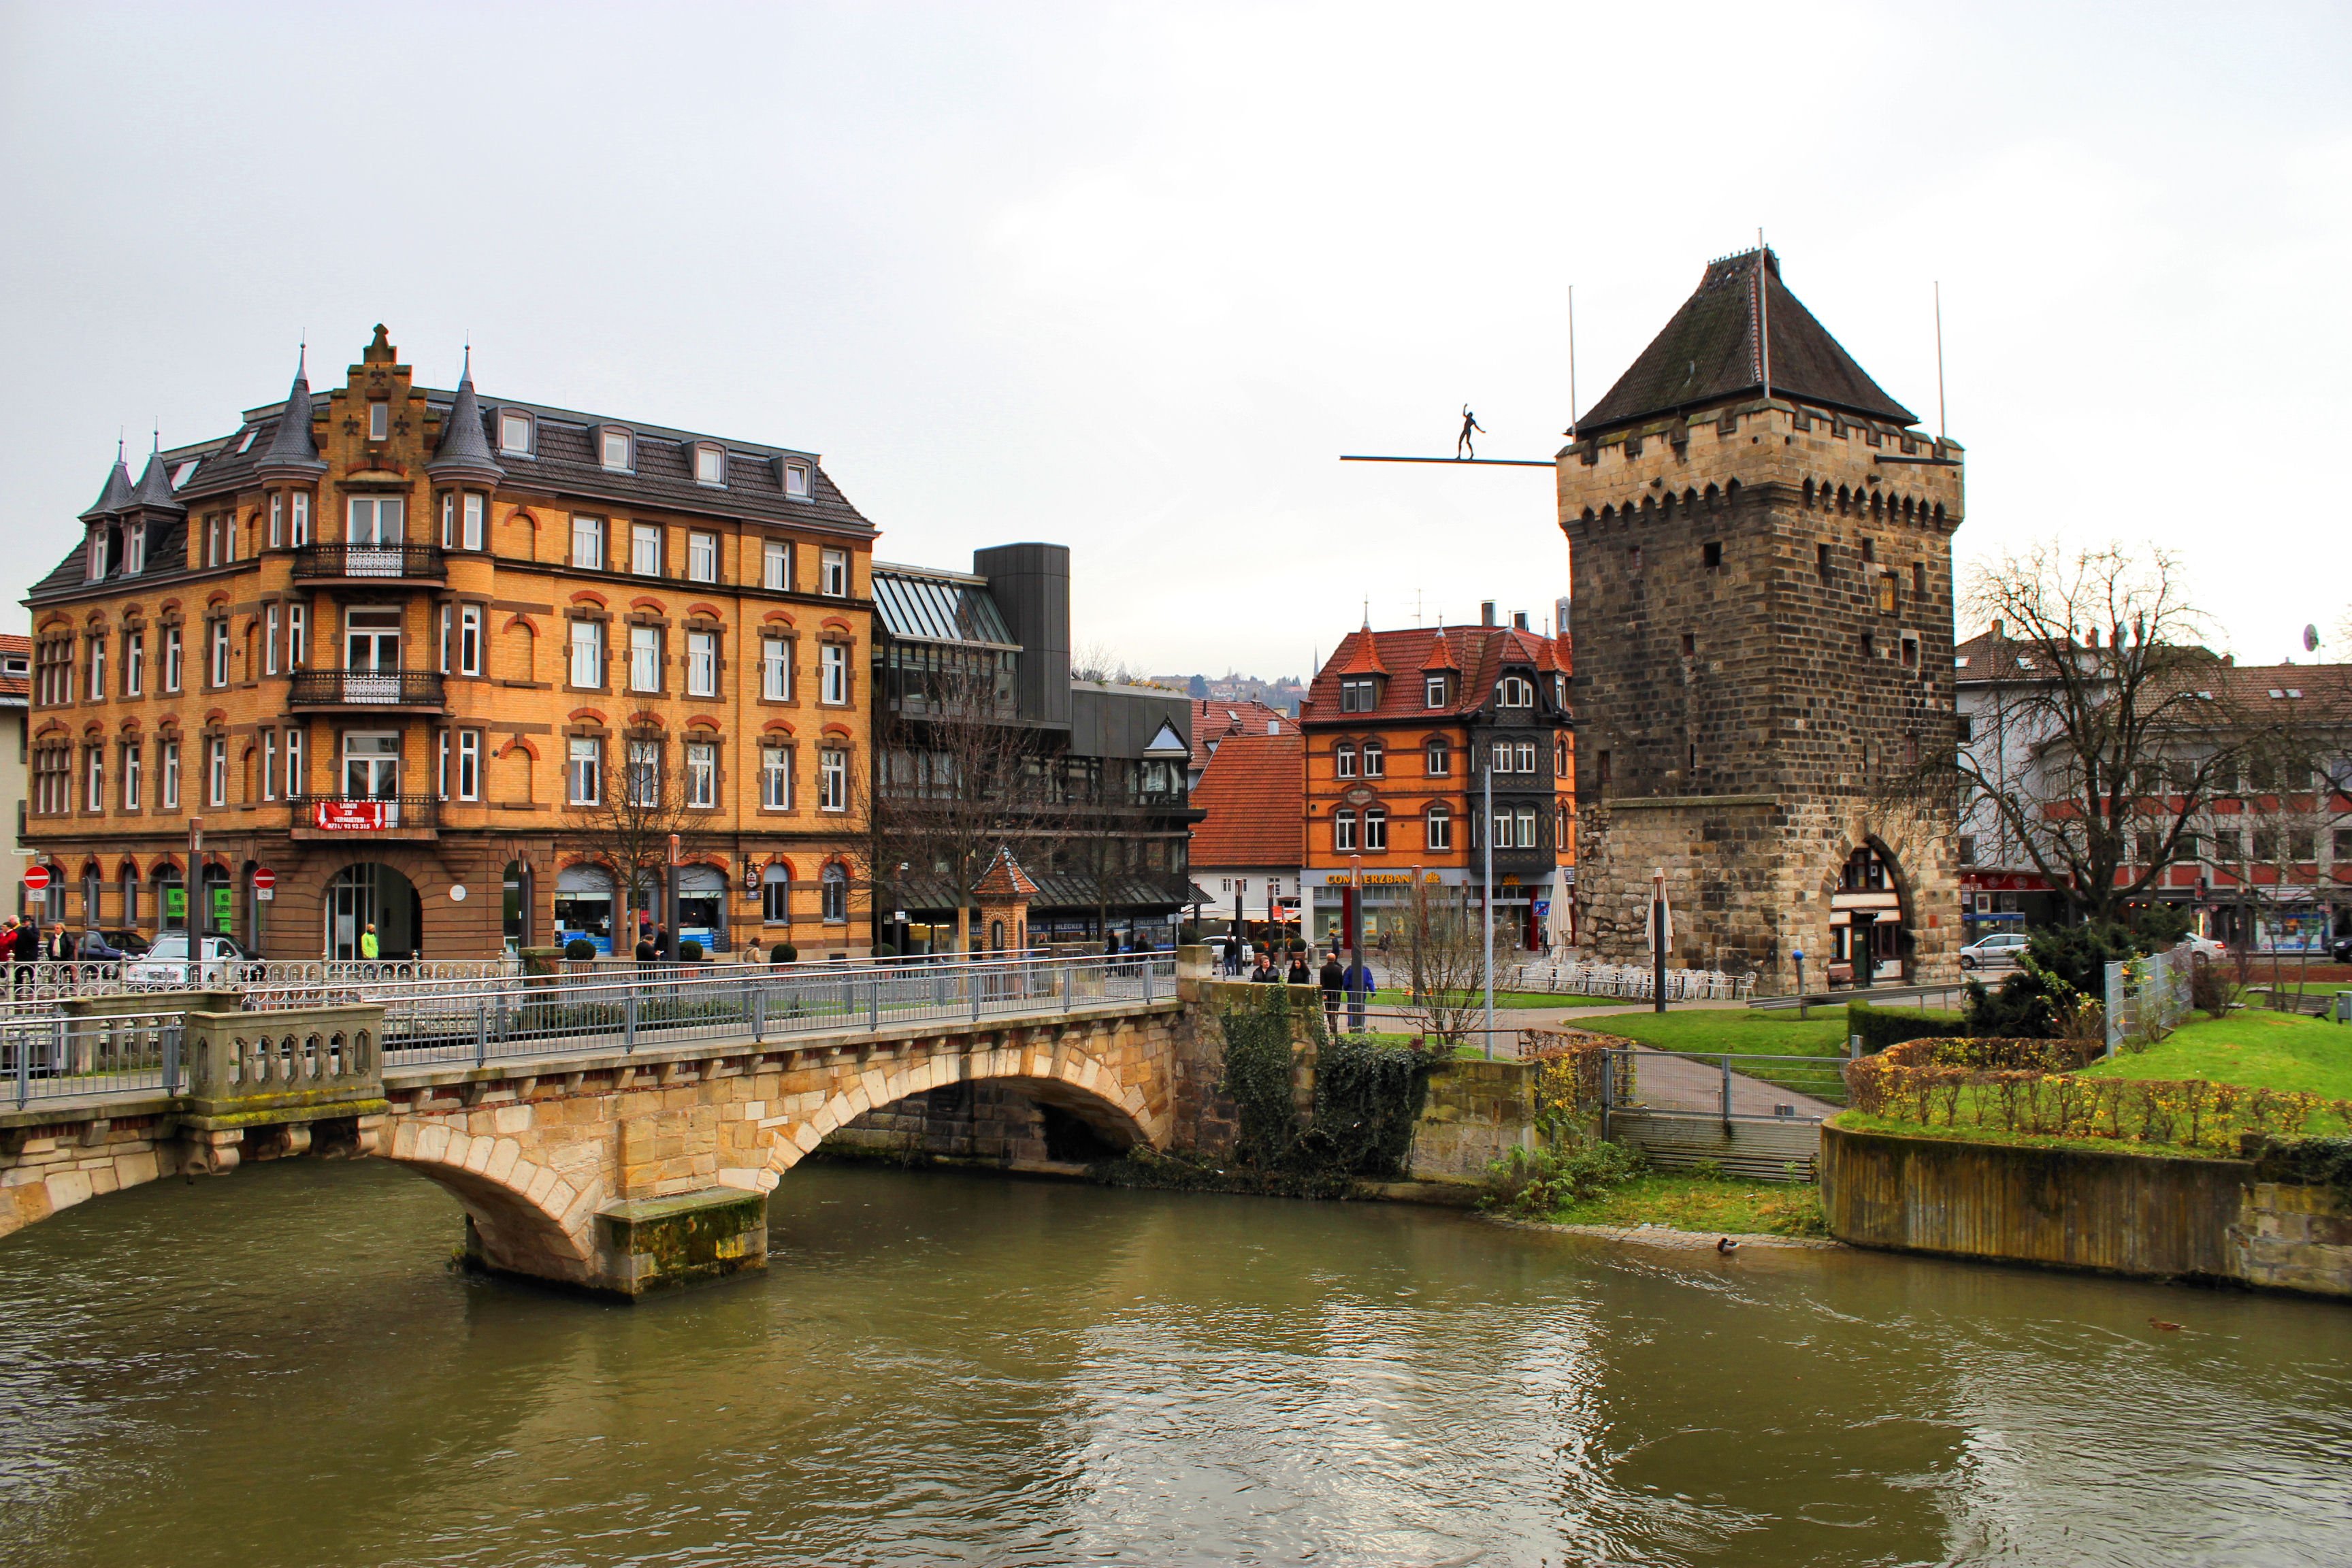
(365, 689)
(365, 814)
(369, 561)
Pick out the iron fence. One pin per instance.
(2146, 998)
(554, 1016)
(1628, 980)
(1730, 1085)
(90, 1058)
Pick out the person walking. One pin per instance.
(369, 946)
(1359, 991)
(1333, 977)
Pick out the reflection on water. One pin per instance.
(275, 1368)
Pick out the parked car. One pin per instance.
(2202, 947)
(166, 964)
(2001, 947)
(93, 948)
(2341, 950)
(131, 943)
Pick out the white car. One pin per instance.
(166, 965)
(2001, 947)
(2202, 947)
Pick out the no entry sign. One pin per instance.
(36, 876)
(264, 878)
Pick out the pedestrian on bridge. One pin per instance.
(1359, 991)
(369, 946)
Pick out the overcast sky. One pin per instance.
(1131, 277)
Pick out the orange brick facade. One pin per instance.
(320, 629)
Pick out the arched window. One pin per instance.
(1516, 691)
(1343, 760)
(1376, 760)
(776, 894)
(834, 890)
(996, 936)
(130, 876)
(1343, 830)
(1376, 827)
(1437, 758)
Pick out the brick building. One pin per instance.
(1402, 729)
(1249, 847)
(389, 642)
(1760, 554)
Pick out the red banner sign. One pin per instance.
(349, 815)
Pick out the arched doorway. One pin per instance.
(1868, 936)
(370, 894)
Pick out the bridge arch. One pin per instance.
(1055, 1073)
(524, 1217)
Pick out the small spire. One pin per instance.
(116, 493)
(291, 449)
(154, 492)
(465, 452)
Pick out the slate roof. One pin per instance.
(1708, 353)
(1255, 792)
(116, 494)
(154, 492)
(1482, 651)
(564, 467)
(290, 446)
(1214, 720)
(464, 451)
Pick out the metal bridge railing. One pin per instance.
(57, 1058)
(555, 1016)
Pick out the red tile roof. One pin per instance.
(15, 646)
(1479, 652)
(1441, 654)
(1255, 793)
(1214, 720)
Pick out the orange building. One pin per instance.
(401, 646)
(1422, 747)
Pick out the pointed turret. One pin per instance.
(116, 493)
(464, 451)
(292, 452)
(154, 495)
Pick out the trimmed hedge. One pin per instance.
(1881, 1029)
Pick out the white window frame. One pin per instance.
(1437, 759)
(270, 651)
(1526, 756)
(134, 664)
(832, 779)
(448, 614)
(1432, 691)
(796, 480)
(474, 519)
(469, 639)
(1343, 831)
(297, 636)
(832, 674)
(132, 766)
(584, 771)
(276, 519)
(710, 466)
(95, 799)
(776, 669)
(379, 419)
(299, 534)
(134, 548)
(174, 659)
(701, 775)
(1343, 760)
(622, 444)
(97, 666)
(832, 574)
(216, 770)
(644, 658)
(1376, 760)
(269, 765)
(1376, 829)
(1525, 815)
(702, 664)
(776, 778)
(171, 769)
(294, 779)
(441, 763)
(448, 520)
(776, 565)
(1437, 828)
(469, 765)
(833, 896)
(587, 542)
(701, 557)
(587, 655)
(516, 432)
(218, 667)
(646, 549)
(643, 779)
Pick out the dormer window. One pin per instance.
(614, 450)
(710, 466)
(251, 432)
(181, 475)
(95, 562)
(796, 480)
(1432, 691)
(1515, 691)
(514, 433)
(1359, 694)
(135, 557)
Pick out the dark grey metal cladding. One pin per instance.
(1031, 585)
(1120, 720)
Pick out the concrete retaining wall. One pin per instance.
(2141, 1215)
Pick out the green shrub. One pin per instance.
(689, 950)
(885, 950)
(1880, 1029)
(579, 947)
(1367, 1095)
(782, 953)
(1534, 1184)
(1258, 1077)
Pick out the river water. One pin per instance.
(277, 1368)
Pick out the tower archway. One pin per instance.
(1869, 918)
(372, 893)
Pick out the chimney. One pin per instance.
(1486, 612)
(1518, 620)
(2094, 636)
(1996, 631)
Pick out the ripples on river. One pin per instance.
(277, 1369)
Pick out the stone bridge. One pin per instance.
(614, 1169)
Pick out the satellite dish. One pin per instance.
(2310, 639)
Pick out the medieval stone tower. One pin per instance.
(1762, 559)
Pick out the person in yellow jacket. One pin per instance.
(367, 942)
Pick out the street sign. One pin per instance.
(265, 894)
(36, 876)
(264, 879)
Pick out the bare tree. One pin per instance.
(628, 826)
(955, 778)
(1445, 962)
(2108, 728)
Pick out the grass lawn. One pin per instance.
(1740, 1031)
(1703, 1203)
(2262, 1050)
